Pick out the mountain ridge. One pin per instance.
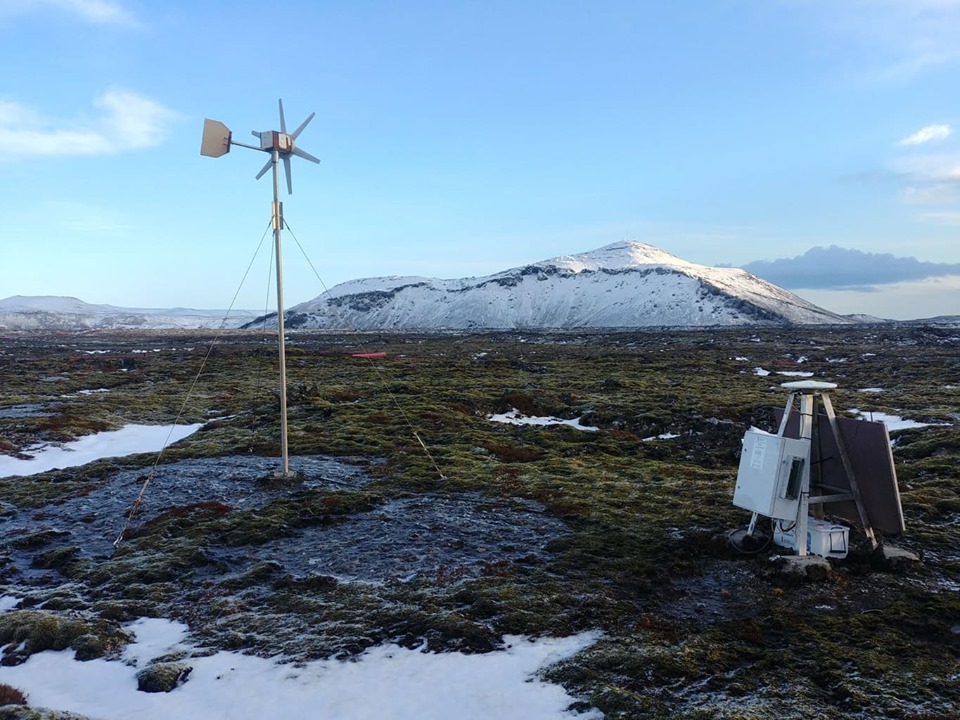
(55, 312)
(627, 284)
(624, 284)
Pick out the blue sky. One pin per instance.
(463, 138)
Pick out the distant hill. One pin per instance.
(45, 312)
(626, 284)
(945, 320)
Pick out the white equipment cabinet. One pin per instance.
(773, 470)
(774, 481)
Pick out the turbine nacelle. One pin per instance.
(273, 140)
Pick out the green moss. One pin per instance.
(25, 632)
(690, 629)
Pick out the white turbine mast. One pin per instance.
(217, 139)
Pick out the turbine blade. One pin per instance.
(283, 121)
(286, 169)
(302, 126)
(305, 155)
(255, 133)
(264, 168)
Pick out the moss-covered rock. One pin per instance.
(22, 712)
(163, 677)
(25, 632)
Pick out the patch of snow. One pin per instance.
(8, 602)
(893, 422)
(128, 440)
(515, 417)
(761, 372)
(794, 373)
(386, 682)
(86, 392)
(870, 390)
(742, 359)
(662, 436)
(154, 637)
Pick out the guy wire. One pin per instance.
(220, 330)
(380, 375)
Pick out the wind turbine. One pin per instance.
(217, 139)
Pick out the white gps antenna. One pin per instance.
(217, 139)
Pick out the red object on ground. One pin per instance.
(369, 355)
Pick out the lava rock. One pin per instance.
(163, 677)
(796, 569)
(894, 559)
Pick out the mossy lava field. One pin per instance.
(416, 518)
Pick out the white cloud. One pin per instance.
(936, 193)
(932, 181)
(945, 217)
(930, 133)
(127, 121)
(98, 12)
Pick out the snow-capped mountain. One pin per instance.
(46, 312)
(626, 284)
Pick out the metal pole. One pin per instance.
(277, 226)
(807, 406)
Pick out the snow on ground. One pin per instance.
(86, 392)
(515, 417)
(787, 373)
(128, 440)
(871, 390)
(387, 682)
(893, 422)
(662, 436)
(8, 602)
